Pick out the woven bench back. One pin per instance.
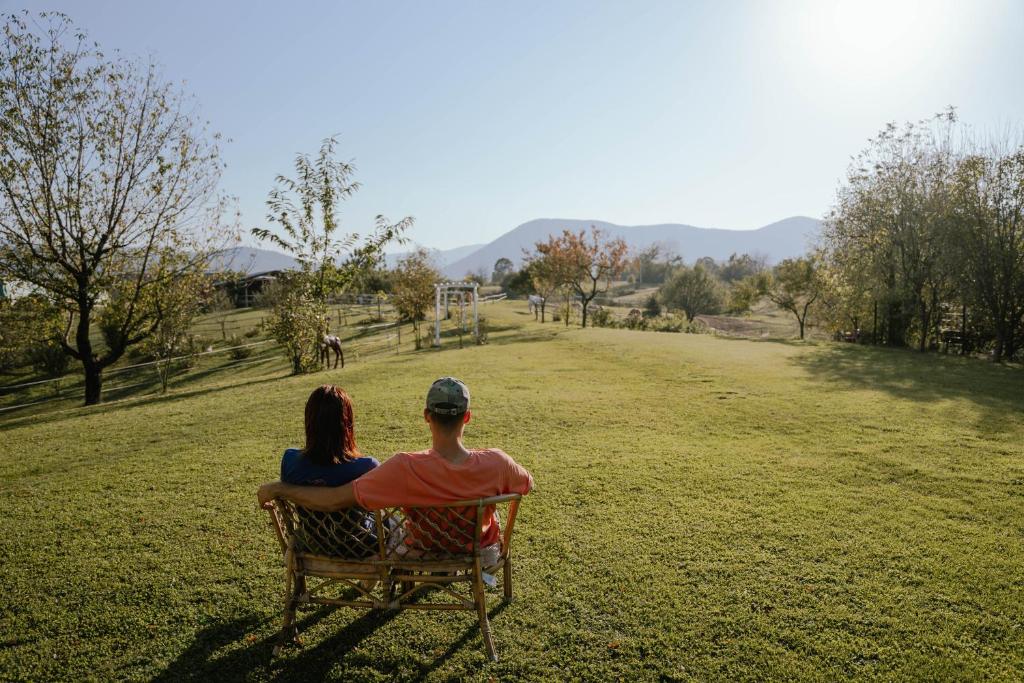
(446, 532)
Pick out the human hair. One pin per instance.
(329, 426)
(448, 423)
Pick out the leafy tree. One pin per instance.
(478, 277)
(653, 264)
(587, 263)
(297, 320)
(990, 214)
(546, 276)
(306, 208)
(31, 328)
(518, 283)
(413, 296)
(693, 291)
(741, 266)
(890, 228)
(794, 285)
(503, 267)
(172, 339)
(105, 176)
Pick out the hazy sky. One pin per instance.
(477, 116)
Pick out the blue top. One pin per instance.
(297, 469)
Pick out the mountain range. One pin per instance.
(776, 241)
(783, 239)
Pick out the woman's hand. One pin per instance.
(267, 493)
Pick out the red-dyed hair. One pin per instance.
(330, 438)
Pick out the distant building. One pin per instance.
(245, 290)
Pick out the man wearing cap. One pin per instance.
(446, 472)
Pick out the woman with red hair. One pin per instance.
(330, 456)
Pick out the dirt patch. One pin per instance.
(735, 326)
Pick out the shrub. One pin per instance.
(49, 359)
(239, 352)
(652, 307)
(249, 334)
(601, 317)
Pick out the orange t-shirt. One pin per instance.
(426, 478)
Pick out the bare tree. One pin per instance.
(106, 179)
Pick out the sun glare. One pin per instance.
(868, 39)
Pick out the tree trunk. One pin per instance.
(963, 330)
(542, 304)
(874, 326)
(93, 382)
(922, 345)
(585, 304)
(90, 363)
(801, 321)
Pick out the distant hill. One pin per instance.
(442, 257)
(252, 260)
(783, 239)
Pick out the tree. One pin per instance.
(693, 291)
(306, 210)
(172, 338)
(106, 177)
(31, 328)
(586, 263)
(503, 267)
(990, 215)
(413, 295)
(518, 283)
(741, 266)
(297, 320)
(794, 286)
(654, 264)
(545, 275)
(890, 228)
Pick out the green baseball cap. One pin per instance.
(448, 396)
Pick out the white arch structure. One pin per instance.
(461, 289)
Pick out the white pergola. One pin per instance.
(460, 290)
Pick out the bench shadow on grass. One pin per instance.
(921, 378)
(310, 663)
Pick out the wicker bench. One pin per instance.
(427, 558)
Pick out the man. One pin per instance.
(447, 472)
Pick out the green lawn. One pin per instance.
(706, 508)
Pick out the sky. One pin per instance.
(476, 117)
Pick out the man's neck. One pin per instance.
(449, 447)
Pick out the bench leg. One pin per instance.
(295, 586)
(506, 582)
(481, 608)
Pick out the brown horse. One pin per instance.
(331, 343)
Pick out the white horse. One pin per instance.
(534, 302)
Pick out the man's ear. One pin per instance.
(465, 418)
(426, 415)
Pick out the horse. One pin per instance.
(328, 344)
(534, 302)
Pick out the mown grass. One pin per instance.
(706, 508)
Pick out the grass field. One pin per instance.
(706, 508)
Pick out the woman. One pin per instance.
(331, 458)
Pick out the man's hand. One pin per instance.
(324, 498)
(267, 493)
